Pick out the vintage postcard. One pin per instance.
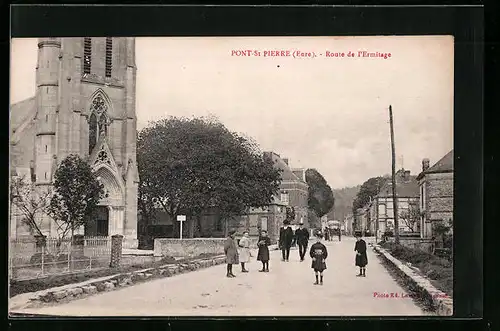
(231, 176)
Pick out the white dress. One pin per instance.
(244, 250)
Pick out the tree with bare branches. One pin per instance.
(410, 216)
(32, 202)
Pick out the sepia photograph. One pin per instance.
(231, 176)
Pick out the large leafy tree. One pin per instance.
(77, 193)
(187, 166)
(368, 190)
(320, 198)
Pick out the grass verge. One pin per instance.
(40, 284)
(438, 270)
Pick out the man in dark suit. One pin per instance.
(302, 239)
(286, 239)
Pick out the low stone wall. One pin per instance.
(76, 291)
(441, 302)
(188, 247)
(417, 243)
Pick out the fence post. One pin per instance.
(69, 256)
(43, 257)
(40, 243)
(116, 250)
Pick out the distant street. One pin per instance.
(286, 290)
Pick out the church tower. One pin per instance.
(85, 105)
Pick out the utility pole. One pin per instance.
(394, 197)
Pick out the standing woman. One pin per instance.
(231, 254)
(361, 258)
(263, 255)
(244, 251)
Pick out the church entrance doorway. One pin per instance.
(98, 226)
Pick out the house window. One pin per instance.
(381, 209)
(98, 121)
(284, 197)
(424, 195)
(109, 55)
(403, 205)
(87, 55)
(263, 223)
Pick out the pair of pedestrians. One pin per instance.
(287, 238)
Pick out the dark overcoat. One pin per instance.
(319, 253)
(263, 243)
(302, 236)
(231, 251)
(286, 237)
(361, 258)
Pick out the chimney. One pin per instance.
(285, 160)
(406, 175)
(425, 164)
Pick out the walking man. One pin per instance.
(302, 239)
(285, 240)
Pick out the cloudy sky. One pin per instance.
(326, 113)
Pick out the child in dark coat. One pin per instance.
(318, 254)
(263, 255)
(361, 258)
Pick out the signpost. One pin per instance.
(181, 219)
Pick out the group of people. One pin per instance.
(240, 253)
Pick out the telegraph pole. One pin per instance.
(394, 197)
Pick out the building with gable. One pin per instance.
(294, 190)
(436, 193)
(381, 208)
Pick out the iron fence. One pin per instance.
(29, 260)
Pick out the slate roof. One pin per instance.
(287, 173)
(20, 111)
(404, 188)
(443, 165)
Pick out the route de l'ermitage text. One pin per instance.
(308, 54)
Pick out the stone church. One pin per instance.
(84, 104)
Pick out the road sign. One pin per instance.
(181, 219)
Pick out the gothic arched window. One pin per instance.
(92, 132)
(98, 121)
